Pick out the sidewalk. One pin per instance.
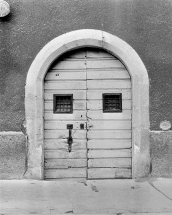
(124, 197)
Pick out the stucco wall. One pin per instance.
(145, 25)
(12, 155)
(161, 154)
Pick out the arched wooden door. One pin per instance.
(87, 117)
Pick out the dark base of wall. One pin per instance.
(12, 155)
(13, 148)
(161, 153)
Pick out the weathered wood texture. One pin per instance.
(77, 115)
(60, 125)
(71, 65)
(103, 64)
(109, 173)
(64, 154)
(62, 144)
(109, 144)
(109, 134)
(62, 85)
(110, 162)
(65, 163)
(108, 74)
(61, 134)
(65, 75)
(63, 173)
(108, 84)
(119, 125)
(99, 115)
(109, 124)
(120, 153)
(106, 138)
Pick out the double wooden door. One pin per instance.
(87, 117)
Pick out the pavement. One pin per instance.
(121, 197)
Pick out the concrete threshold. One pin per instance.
(122, 197)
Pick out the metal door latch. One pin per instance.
(70, 139)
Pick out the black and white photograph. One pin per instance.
(86, 107)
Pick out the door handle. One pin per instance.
(70, 139)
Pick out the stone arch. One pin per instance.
(34, 96)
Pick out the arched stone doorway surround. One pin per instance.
(34, 96)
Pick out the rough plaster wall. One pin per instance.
(161, 154)
(12, 156)
(145, 25)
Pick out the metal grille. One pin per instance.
(112, 102)
(63, 103)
